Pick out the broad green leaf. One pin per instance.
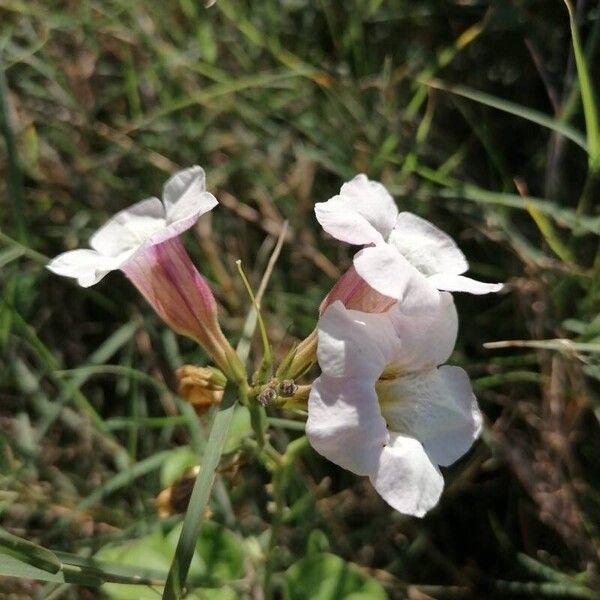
(220, 593)
(149, 552)
(176, 465)
(218, 558)
(239, 430)
(317, 542)
(328, 577)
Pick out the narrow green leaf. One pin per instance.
(82, 570)
(547, 230)
(200, 495)
(514, 109)
(590, 109)
(14, 176)
(11, 567)
(443, 59)
(565, 217)
(125, 477)
(37, 257)
(115, 572)
(28, 552)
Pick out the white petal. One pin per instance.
(406, 478)
(130, 229)
(459, 283)
(388, 272)
(355, 343)
(427, 338)
(437, 407)
(345, 423)
(186, 199)
(87, 266)
(426, 247)
(362, 213)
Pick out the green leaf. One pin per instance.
(590, 110)
(11, 567)
(514, 109)
(147, 552)
(565, 217)
(219, 555)
(218, 558)
(239, 430)
(176, 465)
(200, 495)
(221, 593)
(82, 570)
(28, 552)
(328, 577)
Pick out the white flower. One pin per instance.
(384, 408)
(143, 242)
(138, 227)
(399, 245)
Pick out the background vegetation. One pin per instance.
(281, 101)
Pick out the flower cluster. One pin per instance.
(385, 405)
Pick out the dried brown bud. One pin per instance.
(287, 388)
(200, 386)
(267, 396)
(174, 500)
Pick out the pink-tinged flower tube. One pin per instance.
(142, 241)
(355, 293)
(383, 406)
(398, 247)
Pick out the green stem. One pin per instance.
(284, 469)
(267, 360)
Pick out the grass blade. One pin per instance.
(565, 217)
(14, 177)
(28, 552)
(83, 571)
(514, 109)
(199, 498)
(590, 110)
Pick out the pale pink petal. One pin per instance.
(427, 338)
(87, 266)
(345, 424)
(353, 343)
(355, 293)
(362, 213)
(426, 247)
(389, 273)
(459, 283)
(186, 199)
(130, 228)
(437, 407)
(406, 478)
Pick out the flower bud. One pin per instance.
(202, 387)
